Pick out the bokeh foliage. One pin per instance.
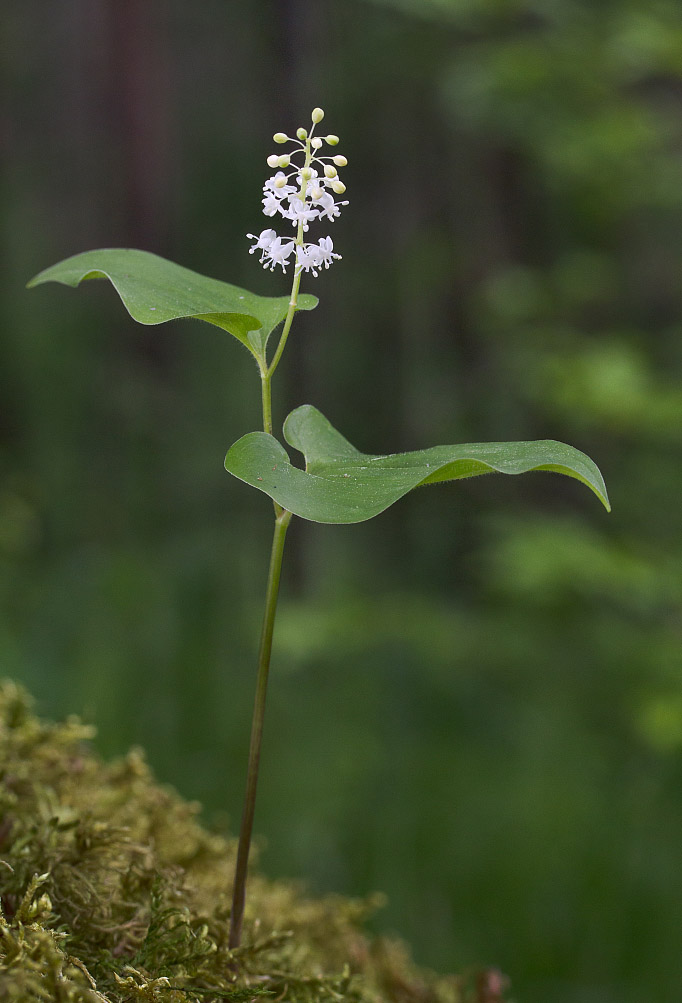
(477, 699)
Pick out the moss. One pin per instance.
(111, 891)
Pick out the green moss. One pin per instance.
(111, 891)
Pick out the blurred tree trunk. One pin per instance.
(139, 96)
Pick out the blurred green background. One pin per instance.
(476, 699)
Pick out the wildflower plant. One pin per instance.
(339, 484)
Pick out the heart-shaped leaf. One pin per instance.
(155, 290)
(342, 485)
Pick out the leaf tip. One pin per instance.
(37, 280)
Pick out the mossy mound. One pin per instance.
(112, 892)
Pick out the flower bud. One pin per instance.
(280, 182)
(318, 115)
(317, 193)
(280, 137)
(316, 143)
(329, 171)
(340, 161)
(338, 186)
(283, 161)
(306, 174)
(273, 160)
(301, 134)
(332, 140)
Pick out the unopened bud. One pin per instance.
(306, 174)
(316, 143)
(317, 193)
(280, 182)
(332, 140)
(280, 137)
(283, 161)
(317, 115)
(340, 160)
(273, 160)
(338, 186)
(329, 171)
(301, 134)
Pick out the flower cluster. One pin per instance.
(301, 193)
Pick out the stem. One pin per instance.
(266, 395)
(293, 299)
(281, 524)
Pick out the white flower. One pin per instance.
(278, 184)
(307, 258)
(326, 253)
(300, 212)
(329, 208)
(271, 205)
(278, 253)
(276, 189)
(263, 241)
(310, 257)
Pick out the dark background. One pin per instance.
(476, 699)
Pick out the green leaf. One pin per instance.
(342, 485)
(155, 290)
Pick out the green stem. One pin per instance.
(281, 524)
(295, 285)
(266, 395)
(293, 301)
